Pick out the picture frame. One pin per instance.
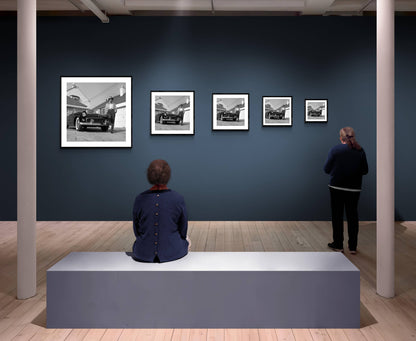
(172, 112)
(277, 111)
(96, 112)
(316, 110)
(230, 111)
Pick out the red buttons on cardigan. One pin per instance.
(155, 243)
(156, 224)
(155, 233)
(158, 195)
(157, 205)
(155, 252)
(156, 213)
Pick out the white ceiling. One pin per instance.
(298, 7)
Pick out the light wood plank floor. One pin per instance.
(381, 319)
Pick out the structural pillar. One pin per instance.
(385, 148)
(26, 148)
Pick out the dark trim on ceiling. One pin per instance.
(199, 13)
(216, 13)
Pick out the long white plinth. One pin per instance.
(204, 290)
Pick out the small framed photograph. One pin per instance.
(96, 112)
(172, 112)
(277, 111)
(230, 112)
(316, 110)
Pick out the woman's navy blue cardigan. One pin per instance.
(346, 166)
(160, 224)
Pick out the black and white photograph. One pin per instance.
(277, 111)
(316, 110)
(230, 112)
(96, 112)
(172, 112)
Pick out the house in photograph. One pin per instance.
(172, 109)
(93, 96)
(74, 105)
(230, 109)
(276, 113)
(315, 111)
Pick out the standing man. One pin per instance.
(181, 113)
(111, 110)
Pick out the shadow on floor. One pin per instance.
(366, 319)
(40, 320)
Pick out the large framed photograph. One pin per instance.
(277, 111)
(172, 112)
(96, 112)
(230, 112)
(316, 110)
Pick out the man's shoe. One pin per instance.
(335, 248)
(353, 252)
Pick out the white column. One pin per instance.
(26, 148)
(385, 148)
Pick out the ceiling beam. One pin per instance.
(77, 5)
(92, 6)
(317, 7)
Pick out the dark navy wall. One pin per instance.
(405, 171)
(266, 173)
(8, 125)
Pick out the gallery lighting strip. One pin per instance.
(94, 9)
(219, 5)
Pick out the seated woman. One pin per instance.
(160, 219)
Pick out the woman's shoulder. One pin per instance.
(174, 194)
(164, 192)
(339, 148)
(143, 195)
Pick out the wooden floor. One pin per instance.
(381, 319)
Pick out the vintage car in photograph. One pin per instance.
(87, 118)
(174, 116)
(315, 112)
(233, 114)
(276, 114)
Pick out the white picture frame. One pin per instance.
(230, 111)
(316, 110)
(172, 113)
(277, 111)
(86, 120)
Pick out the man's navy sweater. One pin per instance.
(346, 166)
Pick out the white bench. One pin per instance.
(204, 290)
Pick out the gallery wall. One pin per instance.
(266, 173)
(8, 135)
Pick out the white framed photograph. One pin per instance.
(96, 112)
(230, 112)
(316, 110)
(277, 111)
(172, 113)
